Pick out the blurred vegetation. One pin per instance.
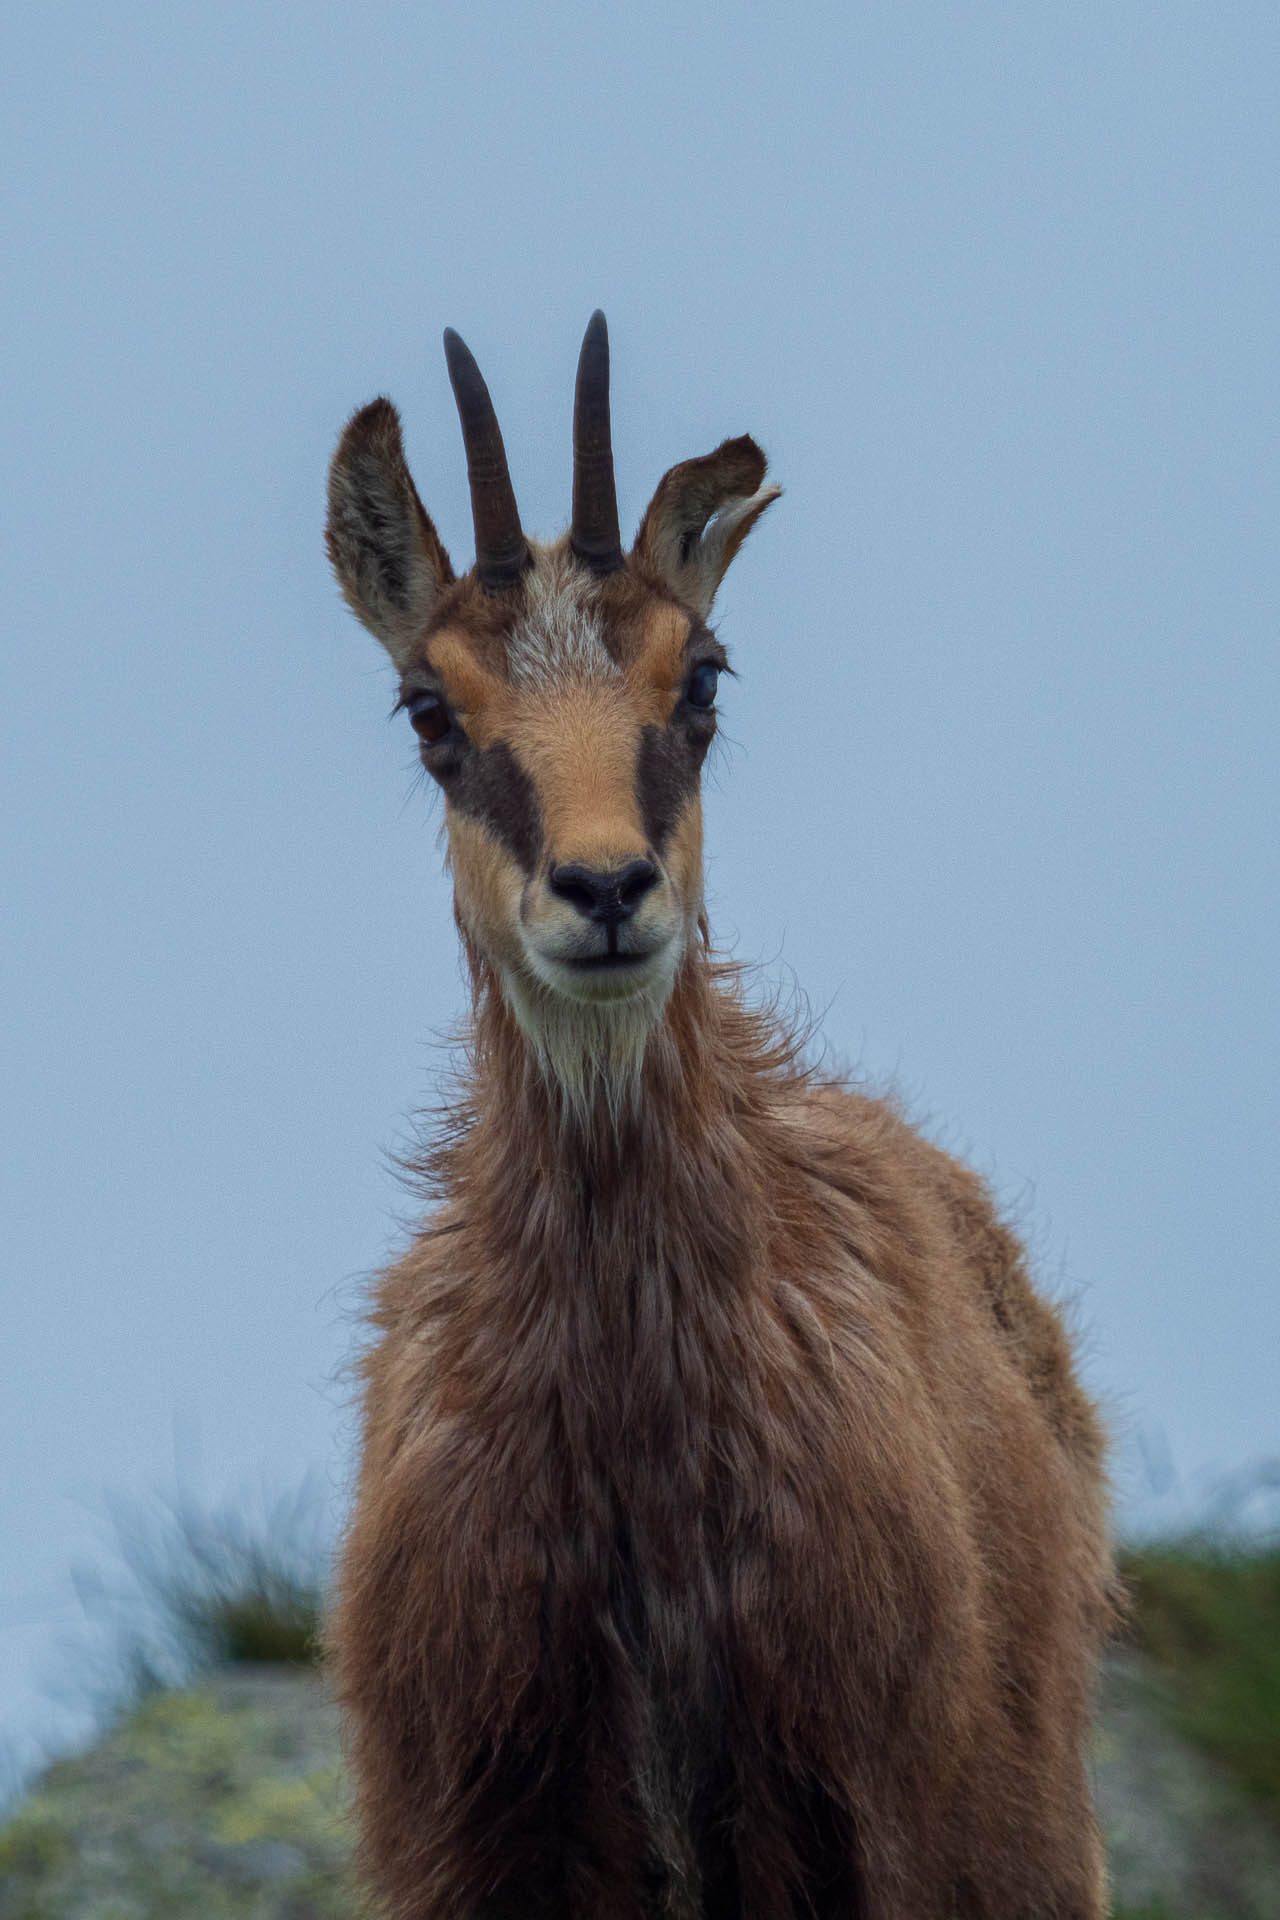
(197, 1588)
(1207, 1617)
(239, 1605)
(223, 1801)
(217, 1789)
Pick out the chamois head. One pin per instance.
(564, 697)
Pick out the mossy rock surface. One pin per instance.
(226, 1802)
(1184, 1840)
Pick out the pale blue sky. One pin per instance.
(995, 285)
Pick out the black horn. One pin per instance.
(502, 552)
(594, 533)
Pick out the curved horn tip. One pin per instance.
(459, 358)
(594, 353)
(502, 552)
(594, 534)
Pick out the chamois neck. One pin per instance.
(710, 1085)
(614, 1104)
(667, 1195)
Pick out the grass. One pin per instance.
(199, 1588)
(1207, 1616)
(239, 1597)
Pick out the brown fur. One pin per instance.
(730, 1539)
(729, 1536)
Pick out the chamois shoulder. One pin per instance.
(923, 1198)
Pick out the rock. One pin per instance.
(1177, 1829)
(225, 1802)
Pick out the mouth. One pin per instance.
(601, 963)
(615, 974)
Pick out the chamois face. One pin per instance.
(566, 724)
(565, 707)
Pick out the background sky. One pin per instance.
(996, 285)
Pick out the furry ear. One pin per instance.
(699, 517)
(388, 557)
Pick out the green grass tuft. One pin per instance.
(232, 1586)
(1208, 1618)
(271, 1622)
(199, 1588)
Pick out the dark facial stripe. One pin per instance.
(492, 787)
(667, 770)
(702, 641)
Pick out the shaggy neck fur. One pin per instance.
(590, 1055)
(639, 1106)
(689, 1426)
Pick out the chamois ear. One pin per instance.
(699, 517)
(388, 557)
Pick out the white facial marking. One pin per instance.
(560, 636)
(587, 1048)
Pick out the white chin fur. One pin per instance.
(650, 972)
(589, 1032)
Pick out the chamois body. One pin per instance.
(730, 1536)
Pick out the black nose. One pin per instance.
(607, 898)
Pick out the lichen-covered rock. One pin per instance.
(221, 1803)
(1181, 1838)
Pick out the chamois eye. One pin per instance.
(703, 681)
(428, 716)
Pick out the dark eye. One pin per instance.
(703, 681)
(428, 716)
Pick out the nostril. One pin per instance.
(634, 882)
(608, 896)
(577, 885)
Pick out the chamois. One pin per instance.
(730, 1539)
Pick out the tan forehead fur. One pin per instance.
(645, 666)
